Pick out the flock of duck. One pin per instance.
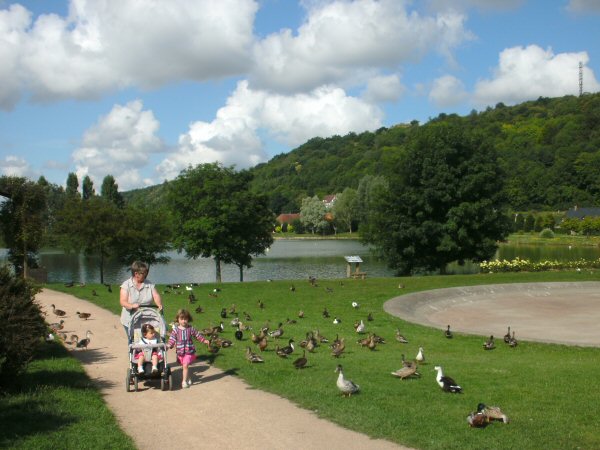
(57, 330)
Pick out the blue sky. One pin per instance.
(141, 90)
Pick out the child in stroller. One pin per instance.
(148, 353)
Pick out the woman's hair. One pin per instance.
(139, 267)
(147, 327)
(184, 314)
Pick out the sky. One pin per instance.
(141, 90)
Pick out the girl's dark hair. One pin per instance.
(147, 327)
(183, 313)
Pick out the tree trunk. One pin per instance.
(101, 267)
(241, 273)
(24, 261)
(218, 268)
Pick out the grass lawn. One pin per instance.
(548, 391)
(54, 405)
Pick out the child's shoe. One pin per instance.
(184, 385)
(154, 370)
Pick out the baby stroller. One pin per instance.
(156, 319)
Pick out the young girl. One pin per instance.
(148, 337)
(182, 336)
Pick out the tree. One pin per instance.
(443, 204)
(369, 189)
(312, 214)
(214, 211)
(345, 208)
(110, 191)
(23, 218)
(72, 189)
(92, 226)
(87, 188)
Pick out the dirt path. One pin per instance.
(218, 411)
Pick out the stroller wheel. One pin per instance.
(128, 381)
(135, 383)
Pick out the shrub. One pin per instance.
(547, 233)
(21, 322)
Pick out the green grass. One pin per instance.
(547, 390)
(558, 239)
(55, 405)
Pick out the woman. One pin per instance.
(137, 291)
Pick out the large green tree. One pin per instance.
(211, 219)
(23, 217)
(345, 208)
(312, 214)
(444, 202)
(72, 185)
(87, 188)
(110, 191)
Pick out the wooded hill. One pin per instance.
(549, 150)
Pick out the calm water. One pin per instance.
(285, 260)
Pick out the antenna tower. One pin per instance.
(580, 78)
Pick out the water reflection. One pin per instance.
(291, 259)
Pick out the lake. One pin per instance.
(287, 259)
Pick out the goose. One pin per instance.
(448, 333)
(400, 338)
(338, 349)
(83, 343)
(406, 372)
(420, 358)
(300, 363)
(489, 344)
(83, 315)
(507, 336)
(58, 312)
(56, 327)
(446, 383)
(346, 387)
(360, 328)
(337, 321)
(513, 341)
(253, 357)
(492, 412)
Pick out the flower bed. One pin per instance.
(525, 265)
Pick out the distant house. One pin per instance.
(329, 200)
(287, 218)
(582, 213)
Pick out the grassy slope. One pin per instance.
(543, 388)
(54, 405)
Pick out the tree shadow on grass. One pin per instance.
(26, 418)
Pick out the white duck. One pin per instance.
(420, 358)
(360, 328)
(446, 383)
(346, 387)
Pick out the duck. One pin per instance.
(260, 304)
(253, 357)
(199, 310)
(83, 315)
(400, 338)
(288, 349)
(489, 344)
(83, 343)
(372, 343)
(292, 288)
(280, 352)
(235, 322)
(446, 383)
(239, 334)
(406, 371)
(337, 321)
(247, 317)
(448, 333)
(56, 327)
(370, 317)
(72, 340)
(420, 358)
(507, 336)
(223, 313)
(355, 305)
(320, 337)
(513, 341)
(360, 328)
(346, 387)
(325, 313)
(191, 298)
(492, 412)
(277, 332)
(58, 312)
(262, 344)
(301, 314)
(232, 309)
(477, 419)
(300, 363)
(289, 321)
(407, 363)
(94, 293)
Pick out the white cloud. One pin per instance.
(584, 6)
(340, 39)
(384, 89)
(119, 144)
(463, 5)
(448, 91)
(15, 166)
(233, 136)
(110, 44)
(526, 73)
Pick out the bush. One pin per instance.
(22, 325)
(547, 233)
